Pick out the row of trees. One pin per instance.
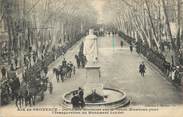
(34, 24)
(152, 21)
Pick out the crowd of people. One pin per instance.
(173, 72)
(10, 84)
(33, 69)
(32, 64)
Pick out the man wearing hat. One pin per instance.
(3, 72)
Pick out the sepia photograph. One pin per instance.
(79, 58)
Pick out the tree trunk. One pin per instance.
(175, 54)
(10, 39)
(178, 23)
(152, 25)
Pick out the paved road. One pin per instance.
(119, 69)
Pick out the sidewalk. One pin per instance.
(168, 55)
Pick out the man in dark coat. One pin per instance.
(64, 62)
(131, 47)
(77, 61)
(3, 72)
(45, 68)
(16, 62)
(61, 73)
(75, 101)
(70, 65)
(142, 68)
(34, 57)
(121, 43)
(167, 67)
(12, 67)
(83, 61)
(17, 82)
(81, 94)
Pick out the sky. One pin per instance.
(98, 5)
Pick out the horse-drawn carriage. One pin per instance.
(38, 86)
(32, 87)
(64, 71)
(31, 91)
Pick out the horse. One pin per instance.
(36, 89)
(28, 92)
(14, 84)
(66, 71)
(22, 95)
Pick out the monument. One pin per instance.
(93, 87)
(95, 94)
(91, 47)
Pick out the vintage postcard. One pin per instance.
(74, 58)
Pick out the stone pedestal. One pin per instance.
(93, 84)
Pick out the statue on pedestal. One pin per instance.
(90, 47)
(93, 87)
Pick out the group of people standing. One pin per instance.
(80, 60)
(77, 100)
(130, 46)
(30, 59)
(175, 73)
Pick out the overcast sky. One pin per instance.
(98, 5)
